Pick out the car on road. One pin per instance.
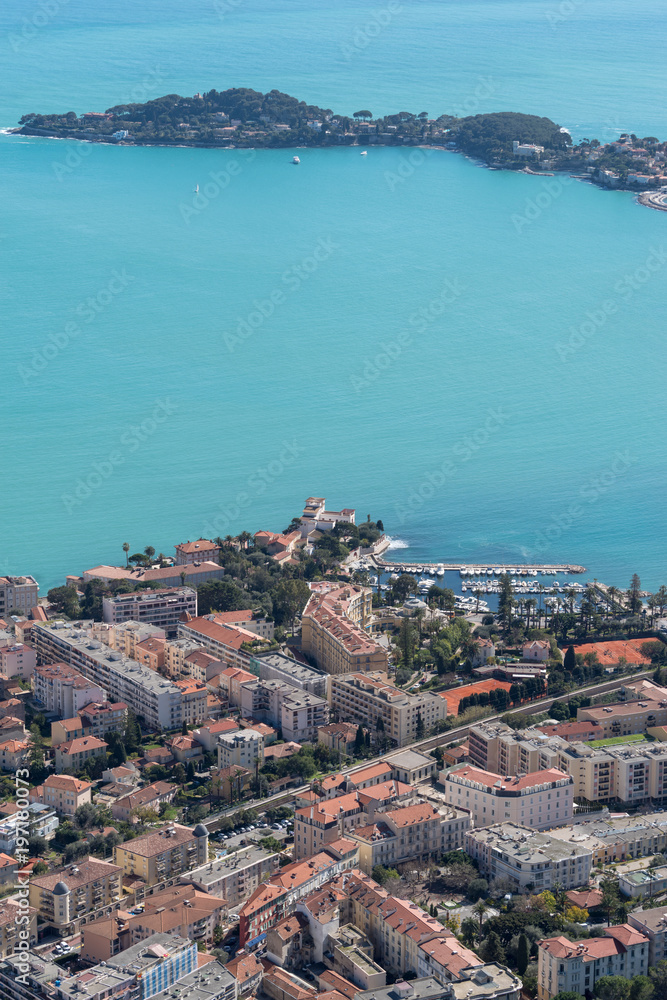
(276, 826)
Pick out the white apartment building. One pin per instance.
(565, 965)
(296, 713)
(151, 697)
(368, 697)
(157, 607)
(17, 660)
(64, 690)
(532, 861)
(540, 801)
(653, 925)
(243, 749)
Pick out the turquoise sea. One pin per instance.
(476, 357)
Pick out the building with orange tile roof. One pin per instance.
(13, 754)
(540, 800)
(63, 793)
(417, 831)
(63, 689)
(223, 641)
(277, 897)
(10, 912)
(68, 895)
(333, 632)
(248, 972)
(74, 754)
(163, 854)
(565, 965)
(149, 797)
(202, 550)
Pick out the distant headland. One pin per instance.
(244, 118)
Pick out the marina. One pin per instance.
(476, 570)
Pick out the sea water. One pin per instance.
(476, 357)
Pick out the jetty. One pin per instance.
(474, 569)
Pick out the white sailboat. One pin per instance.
(197, 189)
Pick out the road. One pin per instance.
(452, 735)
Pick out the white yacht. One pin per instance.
(295, 159)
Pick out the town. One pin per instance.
(279, 765)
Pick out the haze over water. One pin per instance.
(517, 416)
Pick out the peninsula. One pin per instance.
(244, 118)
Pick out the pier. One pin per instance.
(474, 569)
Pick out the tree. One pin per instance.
(190, 771)
(362, 114)
(576, 914)
(478, 889)
(289, 599)
(65, 600)
(568, 995)
(641, 988)
(522, 954)
(569, 661)
(36, 756)
(132, 734)
(634, 595)
(610, 898)
(612, 988)
(37, 846)
(658, 977)
(491, 949)
(419, 728)
(359, 739)
(126, 549)
(150, 552)
(479, 909)
(469, 930)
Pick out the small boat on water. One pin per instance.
(364, 153)
(295, 159)
(197, 189)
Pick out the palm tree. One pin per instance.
(530, 604)
(478, 595)
(149, 551)
(479, 909)
(126, 549)
(612, 595)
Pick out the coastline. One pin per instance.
(647, 198)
